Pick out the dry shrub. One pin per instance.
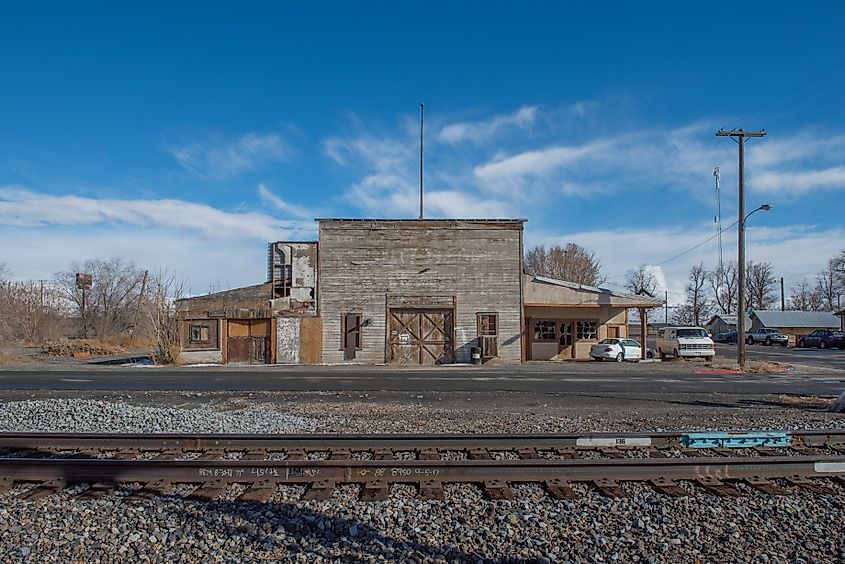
(94, 347)
(9, 358)
(766, 367)
(129, 341)
(813, 402)
(752, 367)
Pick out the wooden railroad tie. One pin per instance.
(260, 492)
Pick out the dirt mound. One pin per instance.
(80, 347)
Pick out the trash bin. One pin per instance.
(475, 352)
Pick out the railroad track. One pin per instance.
(38, 464)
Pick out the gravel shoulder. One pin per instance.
(645, 526)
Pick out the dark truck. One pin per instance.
(767, 337)
(823, 339)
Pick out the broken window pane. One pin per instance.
(585, 329)
(544, 330)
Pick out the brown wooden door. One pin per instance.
(249, 341)
(420, 336)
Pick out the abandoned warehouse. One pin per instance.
(401, 292)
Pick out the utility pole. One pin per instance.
(666, 308)
(739, 136)
(782, 299)
(422, 121)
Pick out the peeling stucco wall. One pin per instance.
(287, 340)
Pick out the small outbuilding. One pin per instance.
(723, 322)
(564, 319)
(793, 323)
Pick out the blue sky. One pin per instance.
(185, 136)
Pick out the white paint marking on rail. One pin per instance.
(75, 380)
(613, 441)
(830, 467)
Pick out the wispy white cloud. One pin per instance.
(800, 182)
(24, 208)
(272, 199)
(44, 233)
(505, 174)
(484, 130)
(218, 160)
(620, 250)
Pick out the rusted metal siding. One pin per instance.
(371, 266)
(311, 340)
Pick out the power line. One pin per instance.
(779, 98)
(808, 110)
(691, 249)
(798, 101)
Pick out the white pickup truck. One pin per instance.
(767, 337)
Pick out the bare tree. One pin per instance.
(572, 263)
(724, 282)
(804, 297)
(760, 286)
(837, 264)
(697, 301)
(159, 303)
(29, 311)
(828, 287)
(641, 280)
(112, 302)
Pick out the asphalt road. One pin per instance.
(570, 378)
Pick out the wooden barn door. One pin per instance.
(249, 341)
(421, 336)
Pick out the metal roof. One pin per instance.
(596, 290)
(729, 319)
(417, 220)
(815, 319)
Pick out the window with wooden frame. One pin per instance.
(199, 333)
(350, 334)
(488, 334)
(585, 329)
(544, 330)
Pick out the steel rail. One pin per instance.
(411, 471)
(398, 442)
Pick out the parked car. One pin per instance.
(683, 342)
(823, 339)
(617, 349)
(767, 337)
(725, 337)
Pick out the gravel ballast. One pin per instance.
(643, 527)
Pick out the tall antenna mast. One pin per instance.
(422, 113)
(719, 217)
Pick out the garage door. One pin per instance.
(421, 336)
(249, 341)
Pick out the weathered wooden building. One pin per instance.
(259, 324)
(420, 291)
(405, 292)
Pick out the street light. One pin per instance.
(740, 318)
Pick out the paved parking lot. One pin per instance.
(824, 359)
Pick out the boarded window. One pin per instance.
(566, 334)
(199, 333)
(544, 330)
(585, 329)
(488, 333)
(350, 334)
